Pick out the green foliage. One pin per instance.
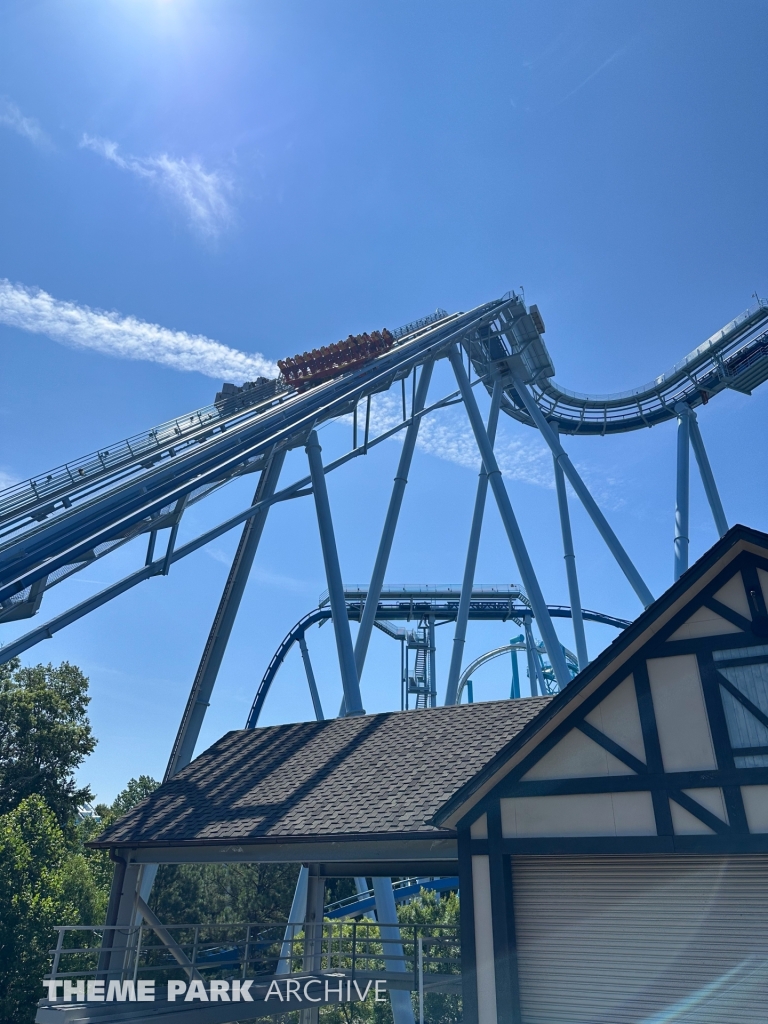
(33, 898)
(429, 908)
(49, 876)
(212, 893)
(432, 908)
(44, 736)
(136, 791)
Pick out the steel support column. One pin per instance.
(122, 912)
(178, 511)
(682, 489)
(524, 565)
(570, 563)
(390, 523)
(349, 679)
(432, 662)
(361, 884)
(707, 477)
(515, 688)
(535, 674)
(392, 947)
(311, 679)
(593, 511)
(224, 620)
(470, 564)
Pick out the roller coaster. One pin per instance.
(429, 606)
(56, 523)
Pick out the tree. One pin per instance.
(223, 893)
(136, 791)
(44, 736)
(33, 899)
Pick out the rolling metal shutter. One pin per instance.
(642, 940)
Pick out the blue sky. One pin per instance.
(271, 176)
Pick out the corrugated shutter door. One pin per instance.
(642, 940)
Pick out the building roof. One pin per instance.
(739, 538)
(373, 776)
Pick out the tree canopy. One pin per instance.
(33, 852)
(44, 737)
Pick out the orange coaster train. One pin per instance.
(323, 363)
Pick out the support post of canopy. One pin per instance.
(570, 563)
(349, 680)
(311, 679)
(593, 511)
(707, 477)
(368, 615)
(470, 564)
(313, 935)
(216, 645)
(682, 488)
(524, 565)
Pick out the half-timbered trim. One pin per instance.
(716, 608)
(503, 917)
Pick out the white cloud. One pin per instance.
(447, 435)
(27, 127)
(126, 337)
(272, 579)
(203, 195)
(7, 479)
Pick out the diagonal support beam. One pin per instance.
(368, 616)
(524, 564)
(707, 477)
(311, 683)
(224, 620)
(535, 673)
(593, 511)
(166, 938)
(470, 564)
(349, 678)
(178, 511)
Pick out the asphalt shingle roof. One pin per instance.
(376, 775)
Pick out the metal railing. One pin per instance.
(253, 950)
